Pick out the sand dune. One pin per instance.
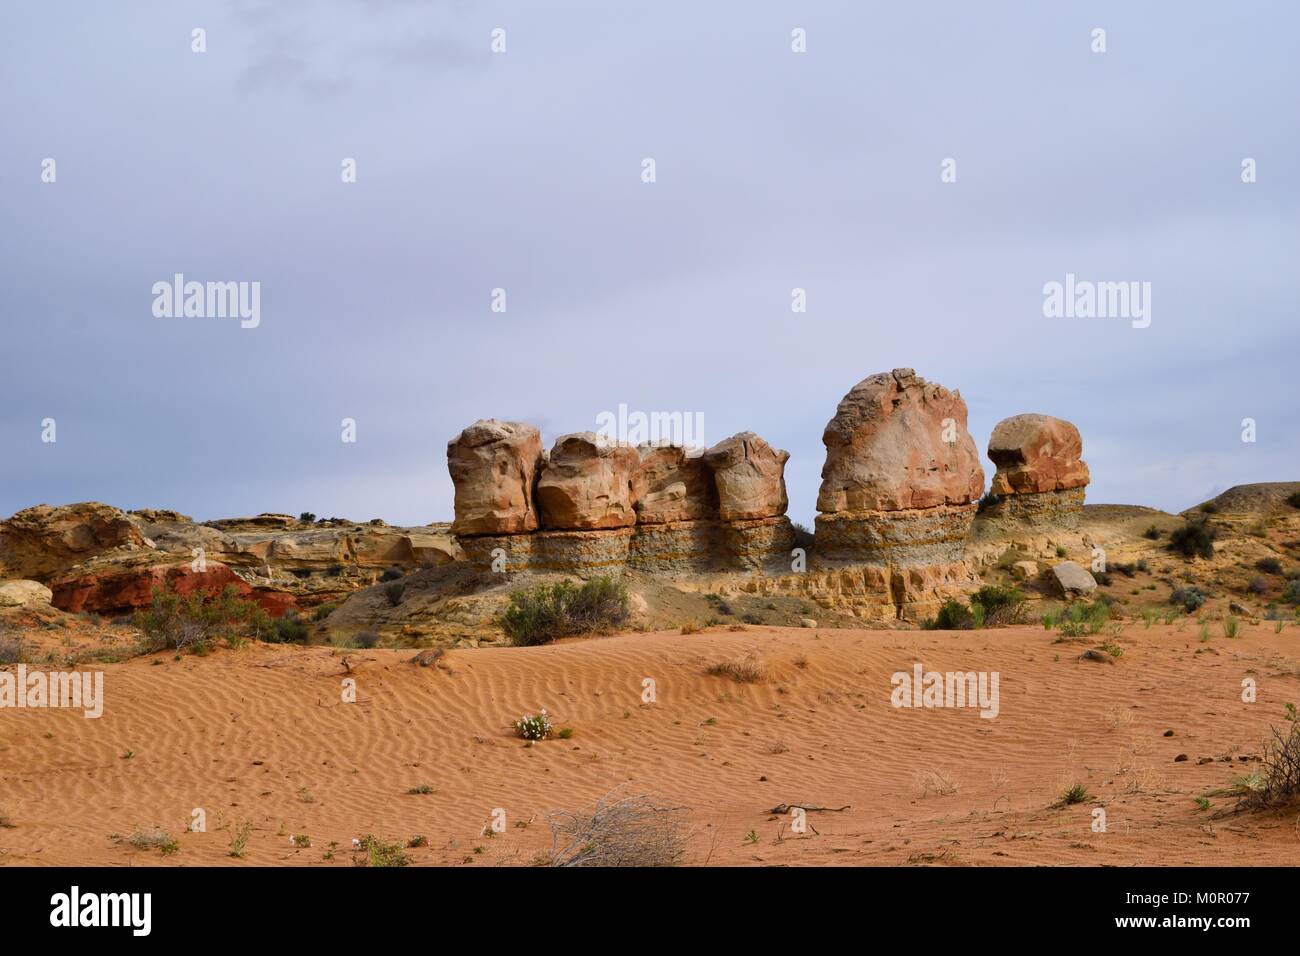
(260, 736)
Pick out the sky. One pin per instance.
(523, 170)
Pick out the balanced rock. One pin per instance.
(586, 484)
(1041, 477)
(900, 475)
(749, 475)
(494, 467)
(1036, 453)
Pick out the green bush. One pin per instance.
(290, 629)
(177, 622)
(1001, 605)
(953, 616)
(1188, 598)
(1269, 565)
(1194, 539)
(1292, 593)
(543, 613)
(803, 538)
(1153, 533)
(394, 591)
(1082, 618)
(1293, 499)
(391, 574)
(307, 518)
(989, 500)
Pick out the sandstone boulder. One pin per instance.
(1071, 580)
(115, 587)
(749, 475)
(586, 484)
(672, 483)
(1035, 454)
(494, 467)
(41, 541)
(899, 442)
(24, 593)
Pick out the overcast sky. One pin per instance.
(522, 170)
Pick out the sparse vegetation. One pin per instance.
(1189, 598)
(534, 727)
(743, 670)
(378, 853)
(307, 518)
(1293, 499)
(1276, 783)
(989, 500)
(630, 831)
(1230, 626)
(543, 613)
(391, 574)
(365, 640)
(393, 591)
(155, 839)
(1194, 539)
(1152, 533)
(1081, 618)
(1075, 793)
(1269, 565)
(12, 649)
(289, 629)
(803, 538)
(194, 621)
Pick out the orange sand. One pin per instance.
(261, 735)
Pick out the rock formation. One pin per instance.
(39, 542)
(900, 476)
(1040, 478)
(494, 467)
(586, 484)
(605, 506)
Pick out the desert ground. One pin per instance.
(260, 739)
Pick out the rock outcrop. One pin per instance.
(900, 476)
(115, 587)
(604, 506)
(494, 467)
(1041, 476)
(41, 541)
(586, 484)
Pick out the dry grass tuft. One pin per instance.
(628, 831)
(743, 670)
(1277, 782)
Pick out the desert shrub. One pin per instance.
(1075, 793)
(630, 831)
(1125, 568)
(391, 574)
(1209, 508)
(543, 613)
(743, 670)
(1102, 577)
(1082, 618)
(989, 500)
(1277, 782)
(1189, 598)
(365, 639)
(1257, 585)
(378, 853)
(952, 616)
(323, 611)
(290, 629)
(393, 591)
(1194, 539)
(1001, 605)
(751, 619)
(1292, 593)
(1269, 565)
(193, 621)
(803, 538)
(534, 727)
(1293, 499)
(1153, 533)
(1230, 626)
(12, 648)
(307, 518)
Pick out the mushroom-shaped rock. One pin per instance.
(586, 484)
(494, 466)
(1036, 453)
(749, 475)
(898, 442)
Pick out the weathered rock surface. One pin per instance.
(115, 587)
(586, 484)
(41, 541)
(1035, 454)
(749, 475)
(24, 593)
(494, 465)
(1070, 580)
(898, 442)
(672, 483)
